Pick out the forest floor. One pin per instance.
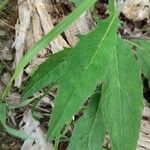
(8, 19)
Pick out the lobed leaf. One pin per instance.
(89, 131)
(122, 98)
(46, 74)
(86, 66)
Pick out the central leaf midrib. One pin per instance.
(119, 91)
(98, 47)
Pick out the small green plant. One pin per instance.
(101, 68)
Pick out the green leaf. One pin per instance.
(122, 99)
(143, 55)
(47, 39)
(89, 131)
(46, 74)
(86, 66)
(17, 133)
(10, 130)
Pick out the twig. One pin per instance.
(5, 23)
